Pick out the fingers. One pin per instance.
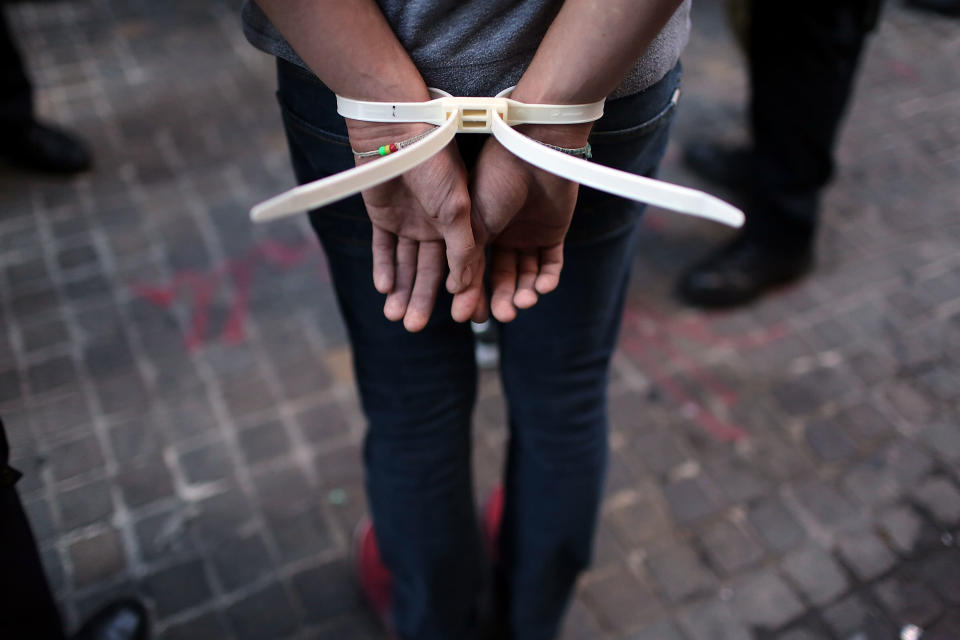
(418, 272)
(528, 264)
(551, 263)
(451, 218)
(503, 284)
(518, 278)
(406, 267)
(430, 268)
(471, 302)
(384, 248)
(462, 253)
(481, 313)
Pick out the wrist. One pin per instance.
(561, 135)
(370, 136)
(366, 136)
(570, 136)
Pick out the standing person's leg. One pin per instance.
(555, 359)
(16, 95)
(23, 139)
(803, 59)
(27, 609)
(417, 392)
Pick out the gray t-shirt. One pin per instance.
(480, 48)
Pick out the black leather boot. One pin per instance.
(124, 619)
(44, 148)
(743, 270)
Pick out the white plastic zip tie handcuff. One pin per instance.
(495, 115)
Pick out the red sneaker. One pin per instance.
(372, 574)
(374, 577)
(492, 518)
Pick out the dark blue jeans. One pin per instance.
(418, 390)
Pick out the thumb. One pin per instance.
(462, 254)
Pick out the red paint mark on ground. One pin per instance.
(698, 329)
(676, 391)
(201, 288)
(242, 279)
(202, 296)
(656, 340)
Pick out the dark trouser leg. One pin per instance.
(27, 609)
(555, 359)
(417, 392)
(16, 97)
(803, 60)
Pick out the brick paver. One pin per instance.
(177, 385)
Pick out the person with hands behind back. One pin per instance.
(414, 250)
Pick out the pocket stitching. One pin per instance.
(640, 129)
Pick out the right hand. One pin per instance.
(415, 216)
(524, 213)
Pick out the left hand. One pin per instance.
(421, 222)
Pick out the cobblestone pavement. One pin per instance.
(178, 388)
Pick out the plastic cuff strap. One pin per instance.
(497, 116)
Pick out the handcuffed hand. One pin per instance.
(428, 219)
(524, 214)
(421, 224)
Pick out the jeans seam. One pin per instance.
(641, 129)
